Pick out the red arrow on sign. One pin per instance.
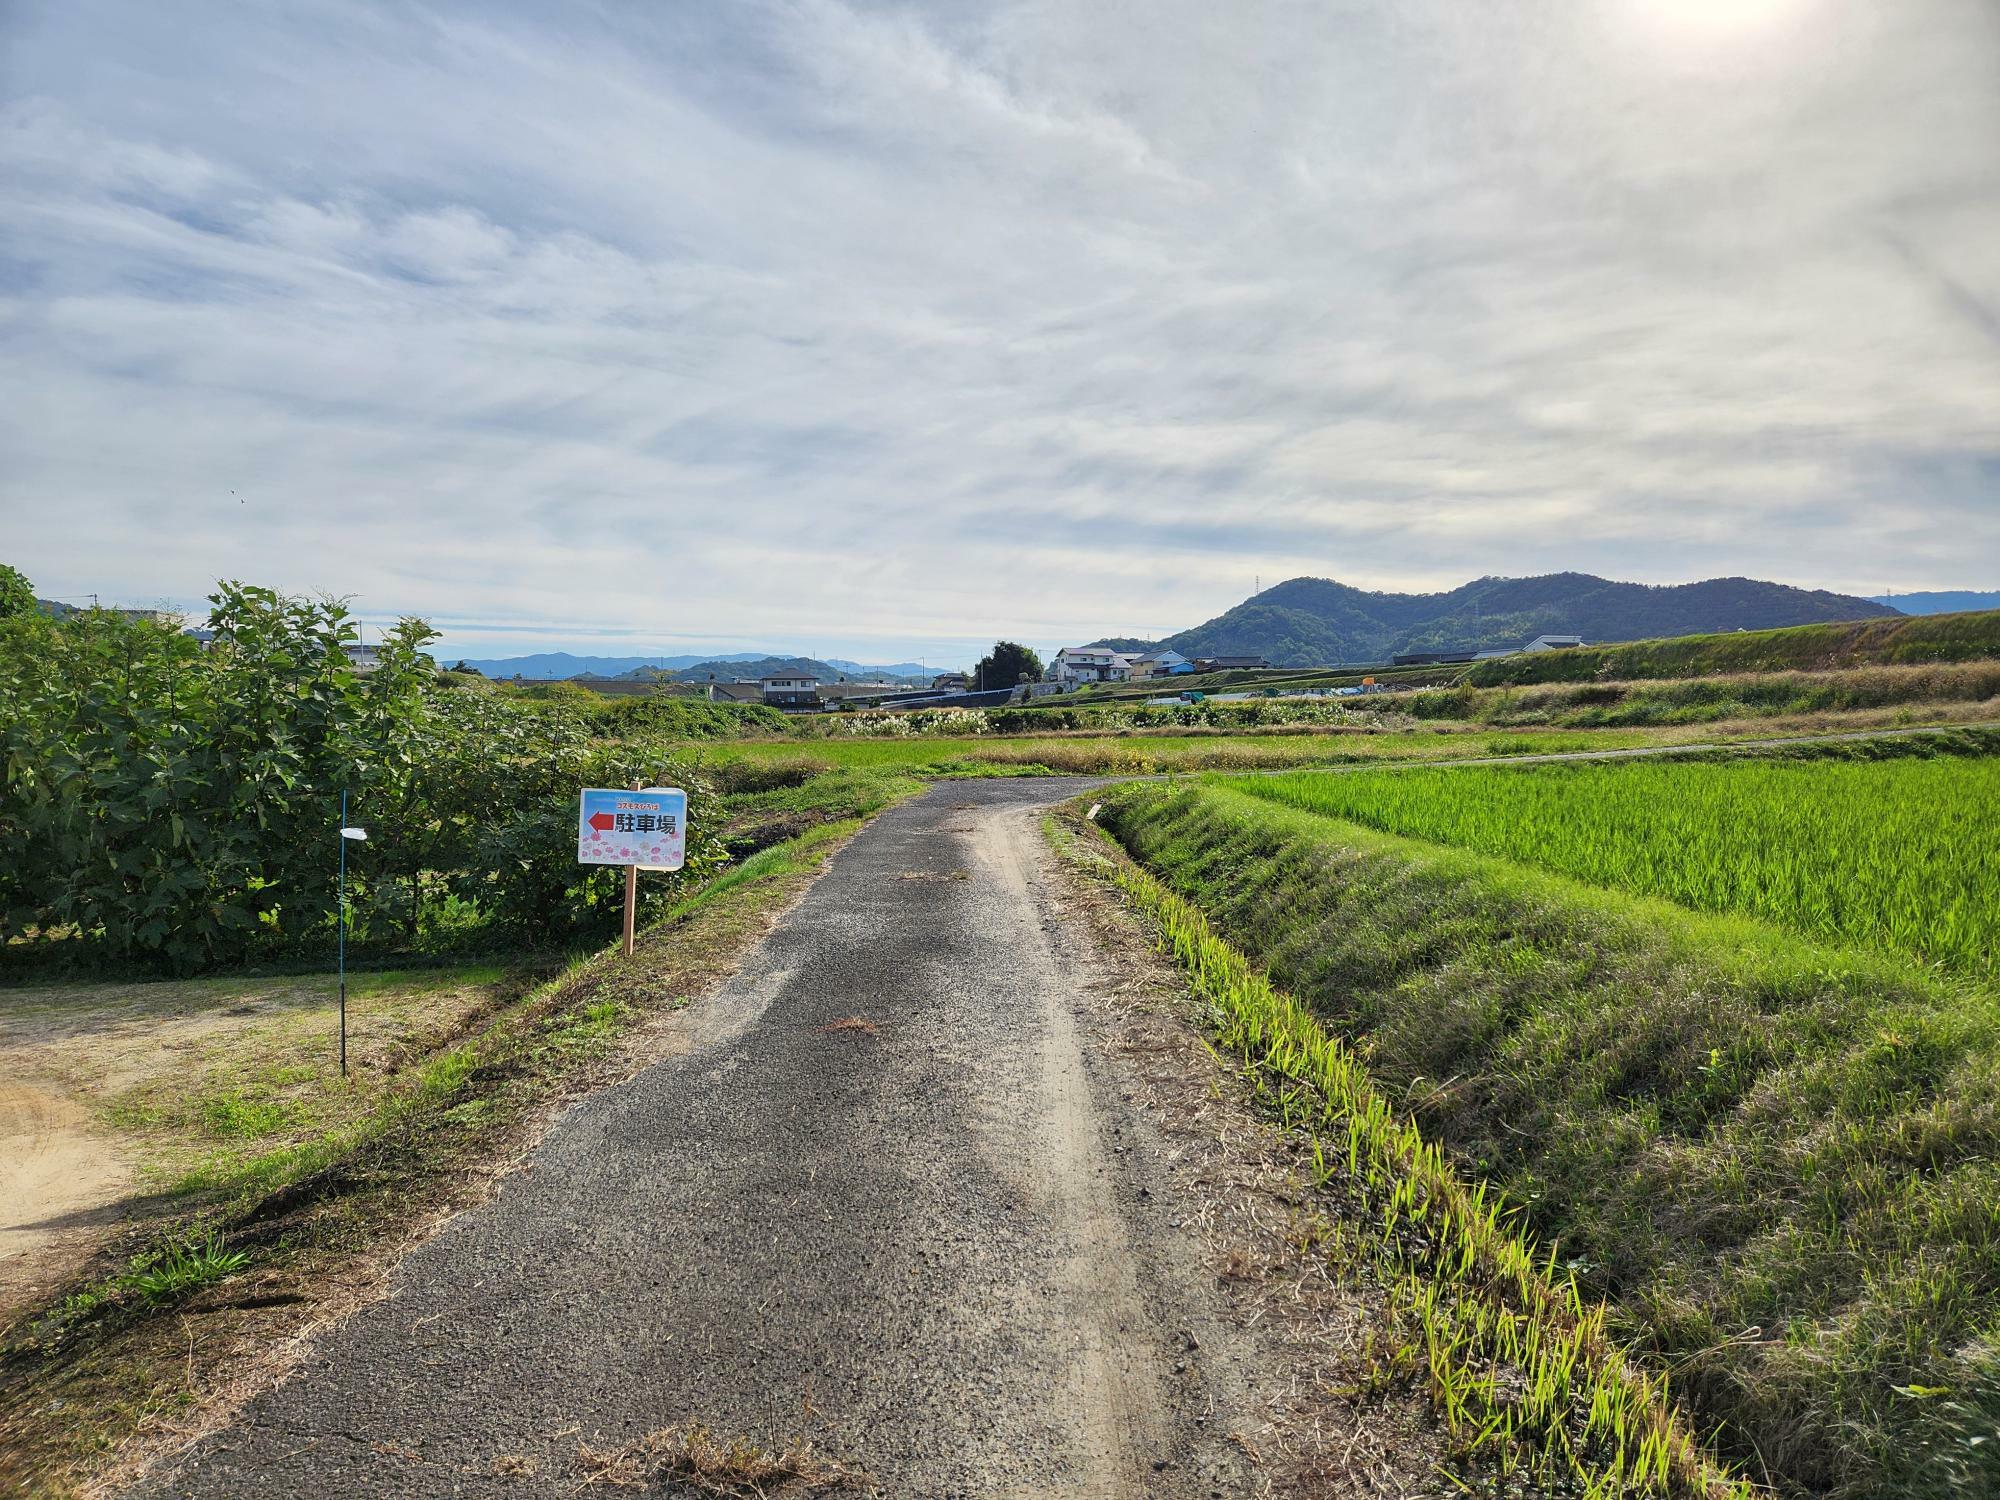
(601, 822)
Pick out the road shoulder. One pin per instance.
(1291, 1346)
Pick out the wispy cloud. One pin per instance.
(862, 325)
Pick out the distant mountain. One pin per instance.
(1940, 602)
(719, 666)
(892, 669)
(552, 664)
(1316, 622)
(735, 668)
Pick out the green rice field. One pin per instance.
(1902, 855)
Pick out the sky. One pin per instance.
(883, 330)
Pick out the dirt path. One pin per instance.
(885, 1198)
(57, 1174)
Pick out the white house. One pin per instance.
(790, 690)
(363, 658)
(1553, 642)
(1080, 664)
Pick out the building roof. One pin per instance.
(789, 677)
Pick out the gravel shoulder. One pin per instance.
(905, 1195)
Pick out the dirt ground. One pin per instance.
(111, 1092)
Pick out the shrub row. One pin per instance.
(173, 804)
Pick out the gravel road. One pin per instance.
(925, 1244)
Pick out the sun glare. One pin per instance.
(1715, 22)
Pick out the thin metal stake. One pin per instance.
(343, 935)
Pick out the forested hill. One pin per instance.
(1315, 621)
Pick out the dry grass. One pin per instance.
(695, 1457)
(850, 1023)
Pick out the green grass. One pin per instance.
(1888, 640)
(171, 1272)
(1902, 855)
(1779, 1160)
(1518, 1364)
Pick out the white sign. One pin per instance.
(647, 829)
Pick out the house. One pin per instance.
(363, 658)
(1448, 656)
(1074, 665)
(846, 690)
(1230, 663)
(951, 682)
(790, 690)
(1553, 643)
(1160, 664)
(734, 692)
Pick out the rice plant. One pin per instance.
(1901, 855)
(1519, 1364)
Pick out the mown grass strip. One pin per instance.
(1518, 1362)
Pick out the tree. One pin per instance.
(1006, 664)
(17, 595)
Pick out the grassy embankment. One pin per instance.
(270, 1176)
(1536, 1395)
(1893, 640)
(1774, 1156)
(1856, 697)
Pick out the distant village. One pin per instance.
(798, 691)
(1071, 668)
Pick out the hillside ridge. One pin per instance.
(1310, 621)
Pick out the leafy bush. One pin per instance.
(683, 718)
(17, 595)
(175, 806)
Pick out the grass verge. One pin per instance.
(1515, 1359)
(264, 1244)
(1776, 1160)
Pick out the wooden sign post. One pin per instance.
(632, 892)
(641, 827)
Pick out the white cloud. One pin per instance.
(811, 323)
